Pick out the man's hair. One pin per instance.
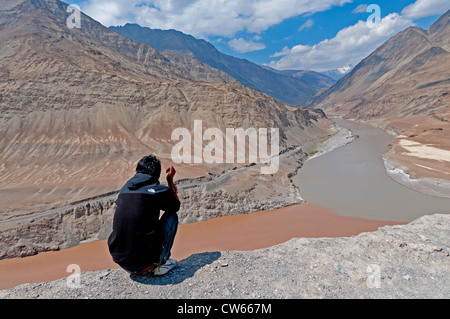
(149, 165)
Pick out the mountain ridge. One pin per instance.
(284, 88)
(317, 80)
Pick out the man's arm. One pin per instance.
(169, 177)
(170, 202)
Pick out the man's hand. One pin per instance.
(170, 173)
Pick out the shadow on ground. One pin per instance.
(186, 269)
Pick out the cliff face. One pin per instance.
(57, 229)
(80, 107)
(237, 191)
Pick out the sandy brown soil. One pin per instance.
(422, 151)
(424, 148)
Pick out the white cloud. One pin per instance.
(426, 8)
(308, 24)
(204, 17)
(283, 52)
(349, 46)
(345, 69)
(227, 18)
(242, 46)
(354, 43)
(109, 12)
(360, 9)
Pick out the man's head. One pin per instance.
(149, 165)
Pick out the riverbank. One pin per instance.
(419, 154)
(425, 185)
(341, 137)
(239, 232)
(408, 261)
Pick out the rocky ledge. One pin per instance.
(408, 261)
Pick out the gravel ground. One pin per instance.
(410, 261)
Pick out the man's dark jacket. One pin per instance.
(136, 236)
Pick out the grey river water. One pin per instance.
(352, 181)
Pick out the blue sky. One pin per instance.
(285, 34)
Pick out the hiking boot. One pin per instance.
(164, 269)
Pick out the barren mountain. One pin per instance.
(79, 107)
(404, 86)
(317, 80)
(286, 88)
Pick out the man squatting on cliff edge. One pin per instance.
(140, 241)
